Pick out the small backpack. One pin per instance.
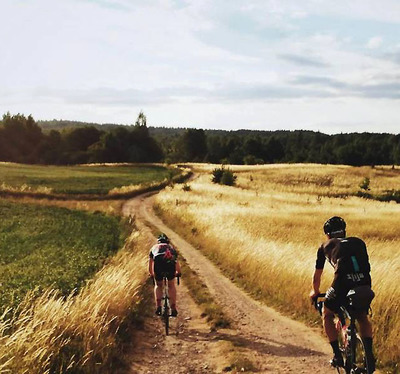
(168, 255)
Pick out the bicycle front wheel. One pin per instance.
(166, 321)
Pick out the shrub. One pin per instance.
(223, 176)
(228, 178)
(364, 185)
(217, 175)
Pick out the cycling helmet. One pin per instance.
(162, 238)
(335, 225)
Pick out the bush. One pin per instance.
(223, 176)
(228, 178)
(364, 185)
(217, 175)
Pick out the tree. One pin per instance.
(21, 138)
(274, 150)
(193, 145)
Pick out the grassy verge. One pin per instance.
(237, 358)
(387, 196)
(200, 294)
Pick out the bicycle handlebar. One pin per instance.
(318, 304)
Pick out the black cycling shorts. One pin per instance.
(162, 269)
(334, 301)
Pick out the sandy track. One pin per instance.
(276, 344)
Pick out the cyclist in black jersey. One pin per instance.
(349, 257)
(163, 261)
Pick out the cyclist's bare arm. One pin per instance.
(316, 282)
(151, 267)
(177, 267)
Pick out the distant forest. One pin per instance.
(24, 140)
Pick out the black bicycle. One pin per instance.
(350, 342)
(165, 306)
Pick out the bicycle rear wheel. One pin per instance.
(360, 363)
(166, 321)
(342, 338)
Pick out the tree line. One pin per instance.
(24, 140)
(258, 147)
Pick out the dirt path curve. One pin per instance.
(275, 343)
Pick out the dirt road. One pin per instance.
(274, 343)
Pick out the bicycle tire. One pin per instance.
(166, 321)
(342, 339)
(359, 364)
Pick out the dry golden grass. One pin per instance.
(78, 333)
(265, 232)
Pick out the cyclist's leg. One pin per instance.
(170, 270)
(158, 286)
(366, 336)
(365, 325)
(158, 292)
(329, 324)
(332, 306)
(172, 292)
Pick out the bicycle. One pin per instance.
(350, 342)
(165, 306)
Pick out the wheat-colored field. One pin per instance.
(77, 334)
(265, 233)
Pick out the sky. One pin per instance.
(329, 66)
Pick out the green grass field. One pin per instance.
(55, 247)
(77, 179)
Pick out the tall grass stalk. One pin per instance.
(76, 334)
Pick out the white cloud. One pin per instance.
(374, 42)
(105, 60)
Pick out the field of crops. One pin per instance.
(77, 288)
(265, 232)
(97, 179)
(43, 247)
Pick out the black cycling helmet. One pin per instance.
(335, 225)
(162, 238)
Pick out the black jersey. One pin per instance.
(163, 252)
(165, 257)
(350, 260)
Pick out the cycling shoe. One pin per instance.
(174, 313)
(337, 361)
